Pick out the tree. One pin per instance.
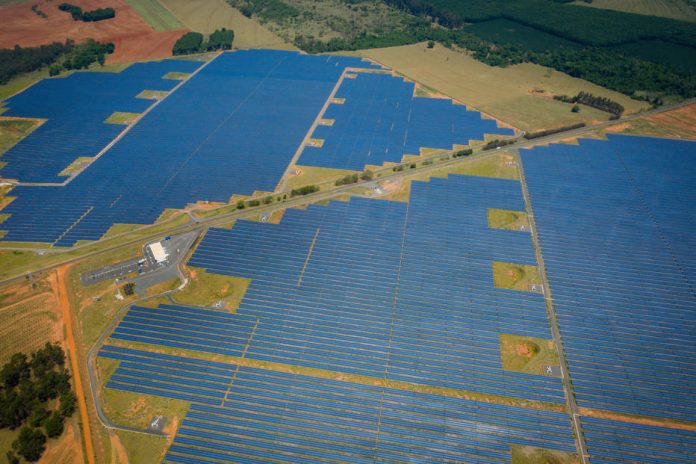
(240, 204)
(367, 175)
(431, 43)
(575, 109)
(53, 425)
(30, 444)
(14, 371)
(191, 42)
(221, 39)
(11, 458)
(68, 403)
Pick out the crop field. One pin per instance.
(683, 10)
(519, 95)
(205, 16)
(680, 57)
(132, 36)
(676, 124)
(622, 291)
(155, 14)
(504, 31)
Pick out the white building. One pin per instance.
(158, 252)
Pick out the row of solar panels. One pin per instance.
(619, 251)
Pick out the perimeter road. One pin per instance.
(551, 311)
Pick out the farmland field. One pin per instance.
(519, 95)
(155, 14)
(676, 9)
(207, 15)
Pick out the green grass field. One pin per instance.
(515, 276)
(527, 354)
(119, 117)
(506, 219)
(205, 289)
(504, 31)
(310, 175)
(531, 455)
(152, 94)
(14, 130)
(176, 76)
(142, 448)
(156, 15)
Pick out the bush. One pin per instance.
(129, 288)
(240, 204)
(543, 133)
(53, 425)
(254, 203)
(306, 190)
(367, 175)
(30, 444)
(464, 152)
(349, 179)
(77, 14)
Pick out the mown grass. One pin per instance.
(152, 94)
(142, 448)
(120, 117)
(527, 354)
(138, 410)
(507, 219)
(206, 289)
(14, 130)
(515, 276)
(310, 175)
(531, 455)
(176, 76)
(155, 14)
(76, 166)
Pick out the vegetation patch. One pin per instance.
(677, 124)
(677, 56)
(155, 14)
(36, 396)
(13, 130)
(531, 455)
(507, 219)
(176, 76)
(213, 290)
(76, 166)
(119, 117)
(527, 354)
(144, 448)
(684, 10)
(193, 42)
(504, 31)
(138, 410)
(152, 94)
(516, 276)
(99, 14)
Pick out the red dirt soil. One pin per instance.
(134, 38)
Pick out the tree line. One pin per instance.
(77, 14)
(20, 60)
(601, 103)
(193, 42)
(27, 385)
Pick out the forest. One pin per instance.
(28, 386)
(77, 14)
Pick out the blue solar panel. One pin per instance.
(615, 221)
(395, 289)
(75, 108)
(611, 441)
(381, 121)
(294, 418)
(231, 129)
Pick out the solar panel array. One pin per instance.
(251, 415)
(615, 221)
(612, 442)
(231, 129)
(391, 289)
(75, 108)
(381, 121)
